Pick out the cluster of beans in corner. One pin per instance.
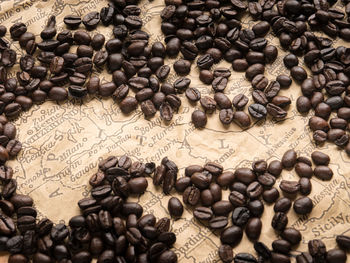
(250, 189)
(49, 68)
(109, 228)
(213, 31)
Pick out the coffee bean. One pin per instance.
(279, 221)
(240, 216)
(218, 222)
(254, 70)
(240, 65)
(323, 172)
(303, 205)
(239, 101)
(244, 258)
(191, 195)
(277, 257)
(231, 235)
(253, 228)
(298, 73)
(199, 118)
(270, 195)
(175, 207)
(289, 159)
(336, 255)
(226, 253)
(317, 250)
(258, 111)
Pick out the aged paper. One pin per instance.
(62, 144)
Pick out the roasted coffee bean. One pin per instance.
(277, 257)
(175, 207)
(292, 235)
(256, 208)
(317, 250)
(282, 205)
(244, 258)
(254, 70)
(303, 205)
(343, 241)
(298, 73)
(289, 159)
(253, 228)
(270, 195)
(336, 255)
(91, 20)
(241, 65)
(219, 84)
(290, 187)
(72, 21)
(240, 216)
(239, 101)
(257, 111)
(282, 246)
(279, 221)
(260, 82)
(191, 195)
(17, 29)
(226, 253)
(242, 119)
(231, 235)
(320, 158)
(218, 222)
(323, 172)
(305, 186)
(199, 118)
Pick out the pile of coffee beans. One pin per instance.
(166, 175)
(211, 31)
(109, 228)
(134, 65)
(202, 190)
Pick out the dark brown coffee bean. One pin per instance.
(257, 111)
(323, 172)
(226, 253)
(231, 235)
(290, 187)
(320, 158)
(253, 228)
(199, 118)
(336, 255)
(292, 235)
(191, 195)
(218, 222)
(203, 213)
(289, 159)
(239, 101)
(240, 65)
(242, 119)
(305, 186)
(260, 82)
(343, 241)
(254, 190)
(270, 195)
(317, 250)
(254, 70)
(279, 221)
(303, 205)
(298, 73)
(244, 257)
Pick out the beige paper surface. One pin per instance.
(62, 144)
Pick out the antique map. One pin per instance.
(62, 144)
